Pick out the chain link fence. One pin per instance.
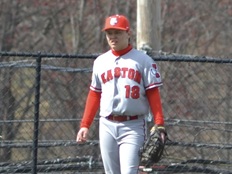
(42, 98)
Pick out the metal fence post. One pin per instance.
(36, 113)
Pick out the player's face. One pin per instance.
(117, 39)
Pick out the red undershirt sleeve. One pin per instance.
(91, 107)
(154, 100)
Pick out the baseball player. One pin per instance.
(124, 86)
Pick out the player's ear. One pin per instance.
(129, 35)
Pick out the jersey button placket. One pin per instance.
(115, 82)
(116, 60)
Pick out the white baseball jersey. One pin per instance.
(123, 81)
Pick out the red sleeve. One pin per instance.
(91, 107)
(154, 100)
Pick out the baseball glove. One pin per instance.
(153, 148)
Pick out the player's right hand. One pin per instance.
(82, 135)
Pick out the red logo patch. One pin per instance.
(154, 66)
(154, 70)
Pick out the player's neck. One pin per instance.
(122, 52)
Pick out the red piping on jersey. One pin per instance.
(154, 84)
(97, 89)
(91, 107)
(122, 52)
(154, 100)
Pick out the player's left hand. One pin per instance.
(82, 135)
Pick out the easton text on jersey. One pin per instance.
(124, 72)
